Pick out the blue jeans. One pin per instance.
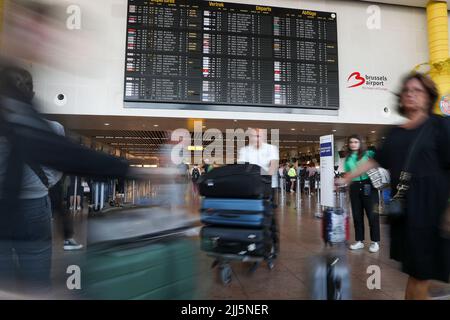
(25, 258)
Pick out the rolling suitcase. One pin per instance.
(255, 205)
(336, 221)
(331, 279)
(335, 225)
(235, 241)
(240, 219)
(330, 272)
(236, 181)
(140, 253)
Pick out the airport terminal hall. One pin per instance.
(203, 152)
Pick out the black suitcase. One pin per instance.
(236, 181)
(245, 242)
(330, 278)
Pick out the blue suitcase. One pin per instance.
(256, 205)
(246, 219)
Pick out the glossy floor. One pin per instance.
(300, 241)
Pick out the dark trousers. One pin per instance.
(67, 222)
(363, 197)
(25, 256)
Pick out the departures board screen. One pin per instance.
(219, 53)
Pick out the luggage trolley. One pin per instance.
(239, 219)
(223, 260)
(233, 234)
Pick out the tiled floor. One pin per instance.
(300, 241)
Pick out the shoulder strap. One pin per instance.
(40, 174)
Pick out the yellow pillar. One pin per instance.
(2, 5)
(437, 20)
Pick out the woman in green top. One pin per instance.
(362, 195)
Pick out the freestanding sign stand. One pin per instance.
(327, 198)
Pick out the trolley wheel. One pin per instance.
(225, 274)
(270, 264)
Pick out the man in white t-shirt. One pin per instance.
(261, 153)
(266, 156)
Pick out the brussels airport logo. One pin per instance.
(377, 82)
(444, 104)
(355, 80)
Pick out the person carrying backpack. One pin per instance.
(292, 174)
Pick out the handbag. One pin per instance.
(379, 177)
(396, 207)
(85, 186)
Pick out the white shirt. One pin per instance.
(262, 157)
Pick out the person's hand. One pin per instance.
(339, 182)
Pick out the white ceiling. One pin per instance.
(142, 136)
(91, 124)
(409, 3)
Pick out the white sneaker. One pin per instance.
(71, 244)
(78, 208)
(374, 247)
(71, 208)
(357, 245)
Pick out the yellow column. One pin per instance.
(2, 5)
(437, 20)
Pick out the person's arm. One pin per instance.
(273, 167)
(275, 160)
(364, 167)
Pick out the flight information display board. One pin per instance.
(205, 52)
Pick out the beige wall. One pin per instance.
(92, 68)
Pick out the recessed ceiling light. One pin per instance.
(372, 131)
(292, 129)
(106, 124)
(334, 130)
(204, 127)
(156, 125)
(235, 120)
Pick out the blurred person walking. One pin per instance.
(416, 240)
(29, 147)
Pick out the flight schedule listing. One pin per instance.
(206, 52)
